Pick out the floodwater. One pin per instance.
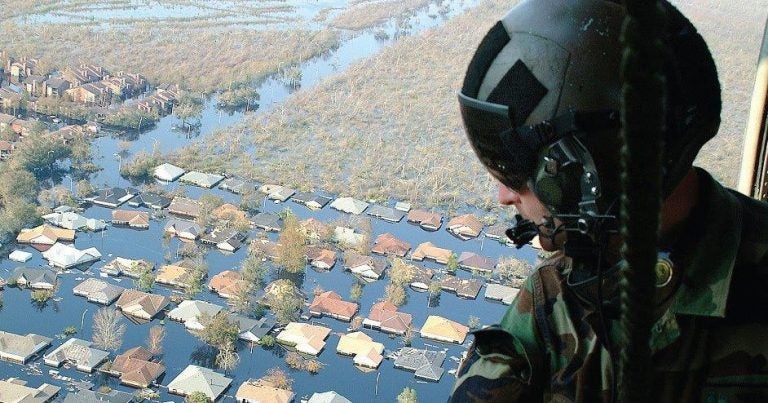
(20, 315)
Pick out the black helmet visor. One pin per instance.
(489, 129)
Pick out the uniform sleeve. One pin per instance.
(501, 363)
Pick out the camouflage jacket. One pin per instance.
(710, 344)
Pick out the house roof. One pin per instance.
(388, 244)
(73, 221)
(188, 228)
(311, 199)
(497, 231)
(132, 217)
(266, 247)
(347, 236)
(90, 396)
(321, 257)
(130, 267)
(98, 290)
(168, 172)
(262, 393)
(349, 205)
(468, 288)
(33, 275)
(422, 276)
(113, 197)
(328, 397)
(280, 287)
(438, 327)
(501, 293)
(426, 219)
(465, 226)
(139, 303)
(222, 237)
(228, 211)
(355, 261)
(277, 192)
(151, 200)
(385, 213)
(236, 185)
(189, 312)
(227, 283)
(253, 327)
(362, 346)
(473, 261)
(200, 379)
(426, 363)
(429, 250)
(22, 346)
(389, 318)
(201, 179)
(316, 228)
(20, 256)
(15, 390)
(45, 235)
(185, 206)
(179, 273)
(267, 221)
(330, 302)
(307, 338)
(66, 256)
(78, 352)
(136, 367)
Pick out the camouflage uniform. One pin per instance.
(710, 343)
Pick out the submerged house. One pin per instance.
(277, 192)
(184, 229)
(428, 250)
(140, 304)
(365, 266)
(366, 352)
(201, 179)
(20, 349)
(150, 200)
(189, 313)
(131, 218)
(98, 291)
(186, 207)
(306, 338)
(128, 267)
(45, 235)
(385, 316)
(236, 185)
(136, 368)
(228, 284)
(74, 221)
(267, 222)
(66, 256)
(442, 329)
(199, 379)
(474, 262)
(349, 205)
(465, 288)
(329, 303)
(180, 274)
(385, 213)
(16, 390)
(253, 330)
(262, 392)
(498, 292)
(427, 220)
(78, 353)
(388, 244)
(465, 226)
(312, 200)
(112, 197)
(168, 172)
(226, 239)
(37, 278)
(426, 364)
(321, 258)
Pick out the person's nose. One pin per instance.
(507, 196)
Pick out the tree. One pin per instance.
(146, 280)
(278, 379)
(267, 341)
(453, 264)
(356, 291)
(408, 395)
(292, 249)
(18, 184)
(218, 331)
(142, 166)
(513, 271)
(84, 188)
(395, 294)
(286, 305)
(313, 366)
(401, 272)
(434, 292)
(197, 397)
(155, 339)
(474, 322)
(294, 360)
(356, 322)
(364, 246)
(227, 358)
(254, 270)
(108, 329)
(189, 107)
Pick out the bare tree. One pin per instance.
(108, 329)
(277, 378)
(155, 339)
(227, 358)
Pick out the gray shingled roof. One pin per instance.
(425, 363)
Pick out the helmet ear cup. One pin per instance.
(562, 171)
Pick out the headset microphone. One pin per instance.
(523, 232)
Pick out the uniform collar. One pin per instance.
(711, 253)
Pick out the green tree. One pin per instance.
(401, 272)
(267, 341)
(356, 291)
(142, 166)
(254, 270)
(395, 294)
(292, 248)
(453, 264)
(218, 331)
(146, 280)
(474, 322)
(197, 397)
(18, 184)
(286, 302)
(84, 188)
(15, 215)
(408, 395)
